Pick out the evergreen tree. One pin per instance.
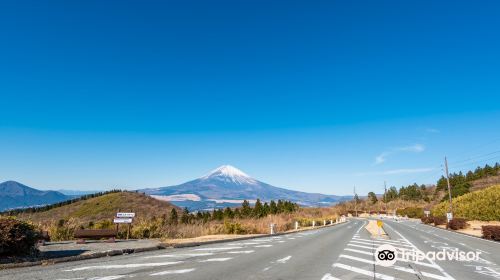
(372, 197)
(246, 211)
(173, 217)
(273, 209)
(228, 213)
(266, 209)
(258, 209)
(185, 216)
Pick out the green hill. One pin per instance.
(102, 208)
(479, 205)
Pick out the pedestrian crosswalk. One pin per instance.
(358, 261)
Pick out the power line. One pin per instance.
(475, 157)
(476, 162)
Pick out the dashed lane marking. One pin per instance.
(284, 260)
(179, 271)
(217, 249)
(179, 255)
(215, 260)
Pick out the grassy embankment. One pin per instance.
(156, 219)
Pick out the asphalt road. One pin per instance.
(344, 251)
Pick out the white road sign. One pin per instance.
(122, 220)
(125, 215)
(449, 216)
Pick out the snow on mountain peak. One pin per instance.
(230, 173)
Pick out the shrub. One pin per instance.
(427, 220)
(439, 221)
(457, 223)
(63, 230)
(17, 237)
(233, 228)
(491, 232)
(411, 212)
(479, 205)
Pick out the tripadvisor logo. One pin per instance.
(385, 255)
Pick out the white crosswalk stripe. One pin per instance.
(358, 258)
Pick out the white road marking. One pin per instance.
(359, 251)
(132, 265)
(328, 276)
(364, 272)
(113, 277)
(428, 259)
(377, 243)
(179, 255)
(381, 241)
(396, 267)
(215, 260)
(179, 271)
(359, 246)
(217, 249)
(284, 260)
(263, 246)
(241, 252)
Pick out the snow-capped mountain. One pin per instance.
(229, 186)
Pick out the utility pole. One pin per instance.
(385, 201)
(355, 202)
(448, 181)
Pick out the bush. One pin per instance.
(17, 237)
(411, 212)
(427, 220)
(62, 229)
(491, 232)
(233, 228)
(439, 221)
(479, 205)
(457, 223)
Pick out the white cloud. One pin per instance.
(417, 148)
(397, 171)
(432, 130)
(381, 158)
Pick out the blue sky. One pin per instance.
(315, 96)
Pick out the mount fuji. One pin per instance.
(229, 186)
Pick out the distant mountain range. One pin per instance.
(17, 195)
(229, 186)
(226, 186)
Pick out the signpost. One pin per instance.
(427, 213)
(449, 216)
(125, 215)
(379, 225)
(124, 218)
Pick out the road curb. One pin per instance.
(194, 244)
(95, 255)
(126, 251)
(462, 233)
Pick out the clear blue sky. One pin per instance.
(311, 95)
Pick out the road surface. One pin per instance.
(343, 251)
